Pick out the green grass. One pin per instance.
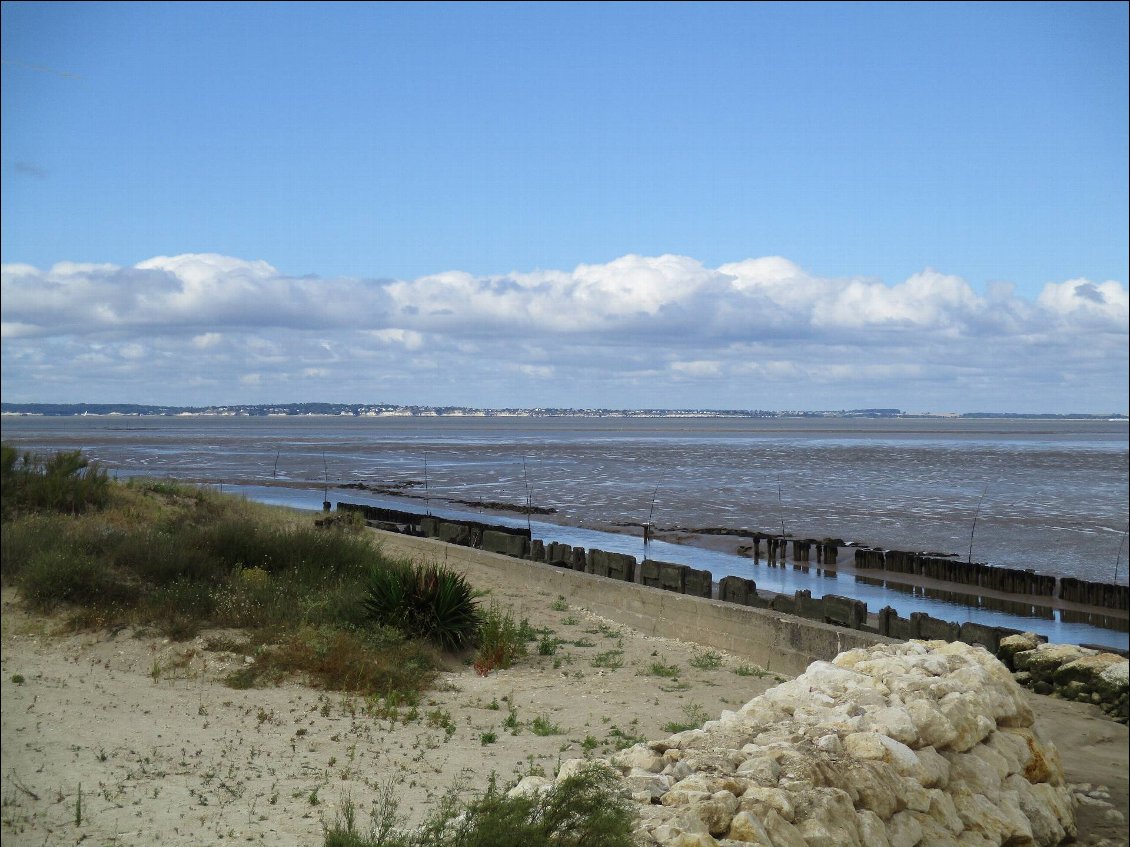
(177, 560)
(660, 669)
(547, 645)
(707, 661)
(623, 739)
(610, 660)
(502, 640)
(542, 725)
(694, 716)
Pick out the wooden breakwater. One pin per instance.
(845, 612)
(1007, 580)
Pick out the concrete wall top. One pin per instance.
(775, 641)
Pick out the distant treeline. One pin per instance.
(369, 409)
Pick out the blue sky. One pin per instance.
(358, 147)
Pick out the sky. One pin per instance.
(772, 206)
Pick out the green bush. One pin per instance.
(57, 576)
(584, 810)
(425, 601)
(64, 482)
(501, 640)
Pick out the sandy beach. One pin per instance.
(126, 739)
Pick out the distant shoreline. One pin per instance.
(382, 410)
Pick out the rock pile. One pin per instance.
(1073, 673)
(921, 743)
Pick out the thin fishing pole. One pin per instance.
(973, 529)
(526, 478)
(650, 515)
(1117, 558)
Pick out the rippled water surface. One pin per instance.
(1052, 494)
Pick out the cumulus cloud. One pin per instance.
(599, 334)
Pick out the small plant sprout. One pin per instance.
(542, 725)
(707, 661)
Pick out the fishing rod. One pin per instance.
(781, 507)
(1117, 558)
(650, 515)
(526, 479)
(973, 529)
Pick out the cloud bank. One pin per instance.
(639, 331)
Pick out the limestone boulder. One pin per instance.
(897, 745)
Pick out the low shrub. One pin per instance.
(58, 576)
(337, 660)
(501, 640)
(65, 482)
(587, 809)
(425, 601)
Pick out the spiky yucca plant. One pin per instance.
(424, 601)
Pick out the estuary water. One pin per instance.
(1049, 495)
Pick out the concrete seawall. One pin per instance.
(779, 642)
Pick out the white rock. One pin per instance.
(972, 775)
(894, 722)
(934, 728)
(831, 820)
(903, 830)
(761, 801)
(646, 782)
(934, 768)
(829, 743)
(865, 746)
(638, 756)
(1039, 808)
(829, 760)
(760, 769)
(783, 833)
(872, 831)
(747, 828)
(942, 811)
(530, 786)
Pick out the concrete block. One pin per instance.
(672, 577)
(934, 629)
(580, 558)
(453, 533)
(700, 583)
(495, 541)
(975, 633)
(735, 589)
(649, 573)
(844, 611)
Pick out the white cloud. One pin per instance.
(1084, 300)
(207, 339)
(407, 338)
(537, 371)
(700, 368)
(611, 332)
